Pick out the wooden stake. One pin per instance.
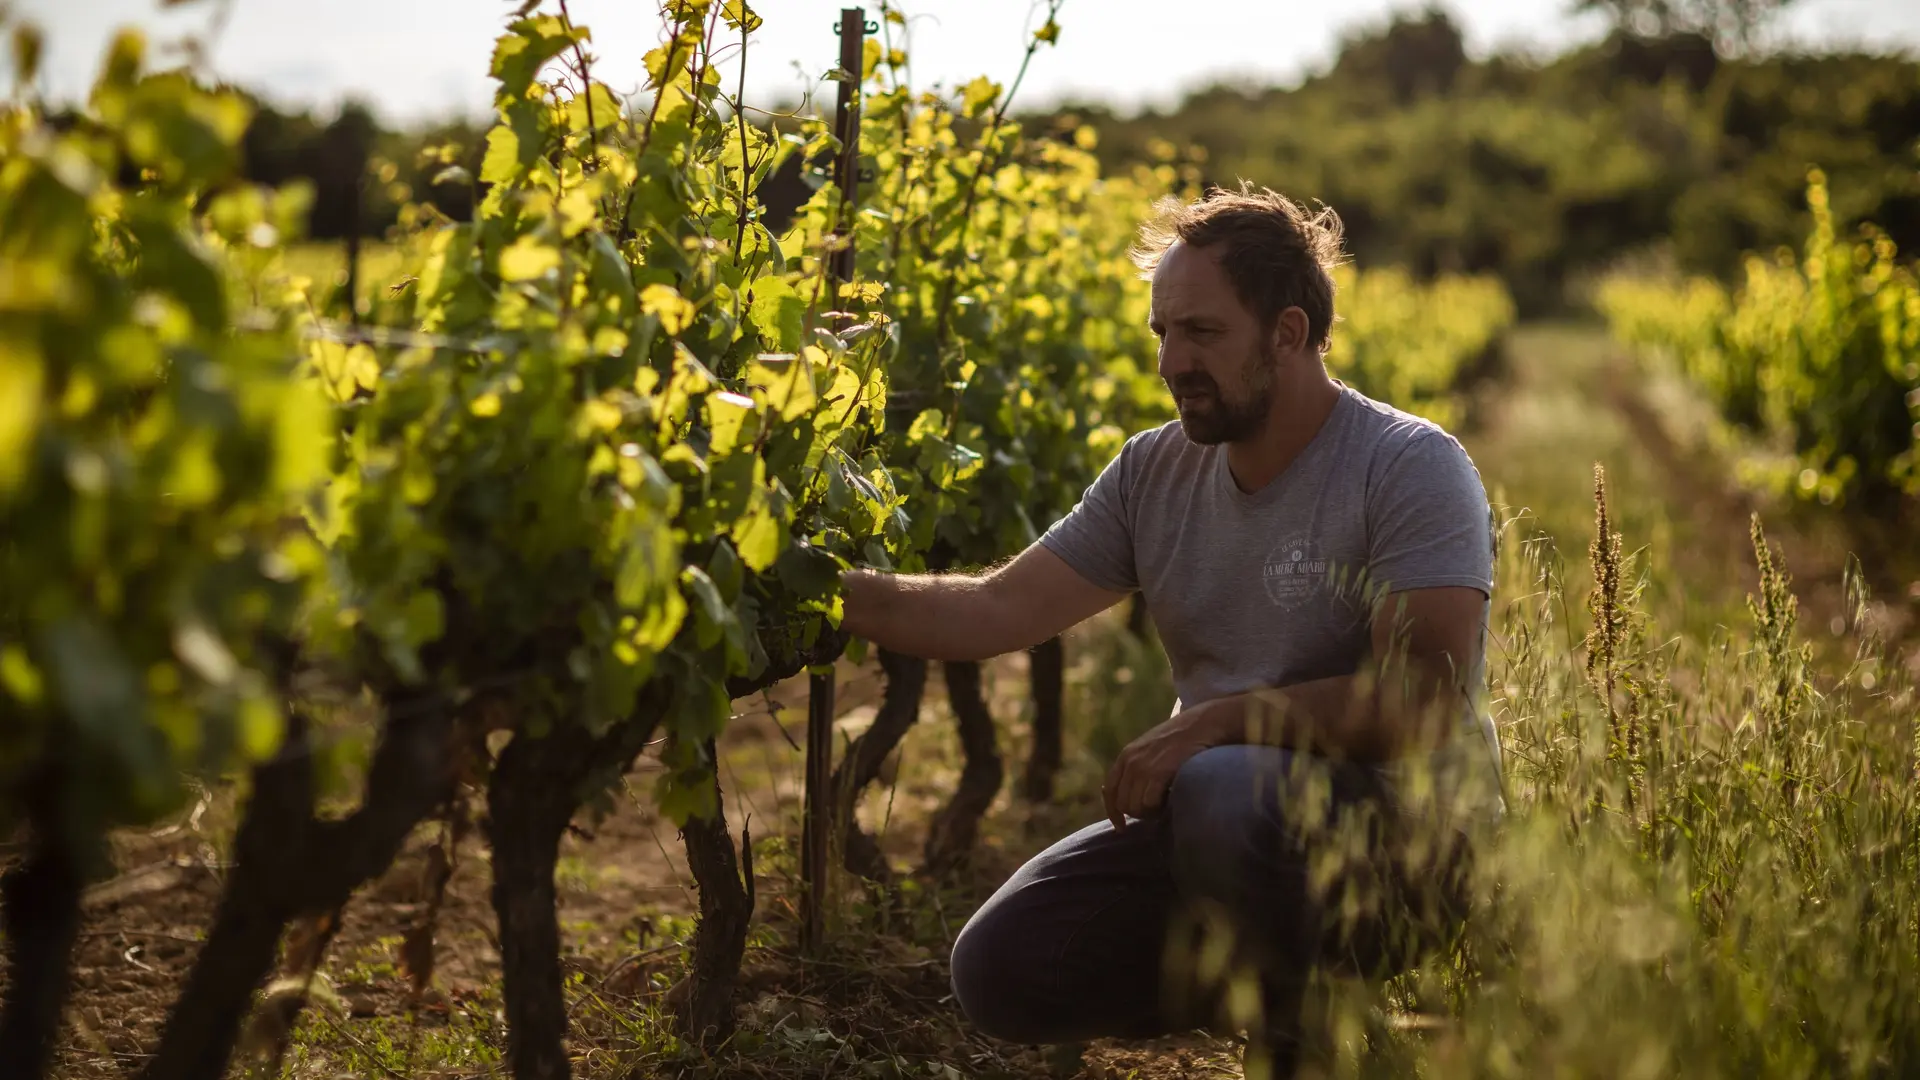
(818, 817)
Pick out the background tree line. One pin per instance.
(1539, 171)
(1673, 138)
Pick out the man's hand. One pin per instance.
(1138, 782)
(1406, 704)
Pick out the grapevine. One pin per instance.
(1816, 358)
(150, 466)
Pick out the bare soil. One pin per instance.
(878, 1004)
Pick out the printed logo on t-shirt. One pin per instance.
(1294, 571)
(1298, 571)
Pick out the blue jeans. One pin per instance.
(1310, 863)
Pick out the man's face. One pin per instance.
(1214, 356)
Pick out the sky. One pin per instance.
(413, 60)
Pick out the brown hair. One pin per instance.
(1277, 253)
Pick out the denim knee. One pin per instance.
(1222, 808)
(993, 978)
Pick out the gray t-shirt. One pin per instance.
(1273, 587)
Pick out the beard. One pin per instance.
(1209, 417)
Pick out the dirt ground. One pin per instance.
(879, 1002)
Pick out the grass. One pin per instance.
(1711, 867)
(467, 1040)
(576, 874)
(1728, 887)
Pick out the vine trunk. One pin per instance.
(951, 838)
(40, 912)
(706, 1012)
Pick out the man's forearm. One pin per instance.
(934, 616)
(1348, 715)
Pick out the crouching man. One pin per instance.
(1319, 567)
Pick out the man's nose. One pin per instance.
(1174, 360)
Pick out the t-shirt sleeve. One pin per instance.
(1429, 524)
(1095, 538)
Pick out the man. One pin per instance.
(1319, 568)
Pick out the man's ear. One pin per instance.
(1290, 331)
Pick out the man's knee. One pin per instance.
(1221, 811)
(1222, 783)
(994, 977)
